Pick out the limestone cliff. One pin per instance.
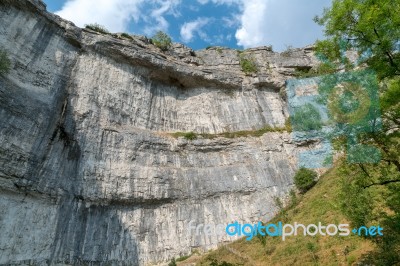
(88, 171)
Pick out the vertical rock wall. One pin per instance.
(88, 169)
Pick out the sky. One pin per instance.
(238, 24)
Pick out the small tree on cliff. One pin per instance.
(162, 40)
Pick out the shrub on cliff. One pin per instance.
(162, 40)
(127, 36)
(172, 263)
(5, 63)
(305, 179)
(247, 64)
(97, 27)
(190, 136)
(288, 52)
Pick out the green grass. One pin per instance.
(236, 134)
(98, 28)
(183, 258)
(320, 70)
(186, 135)
(248, 64)
(217, 48)
(320, 204)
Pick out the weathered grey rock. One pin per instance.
(88, 172)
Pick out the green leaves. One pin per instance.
(370, 191)
(366, 26)
(162, 40)
(305, 179)
(248, 64)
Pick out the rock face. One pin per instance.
(88, 171)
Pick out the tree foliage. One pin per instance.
(162, 40)
(370, 27)
(371, 192)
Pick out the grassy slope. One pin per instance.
(320, 204)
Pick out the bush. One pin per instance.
(172, 263)
(305, 179)
(162, 40)
(126, 35)
(97, 27)
(190, 136)
(5, 63)
(247, 64)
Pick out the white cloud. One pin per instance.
(279, 23)
(116, 15)
(220, 2)
(157, 14)
(253, 24)
(231, 22)
(190, 28)
(252, 20)
(113, 14)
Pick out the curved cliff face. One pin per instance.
(88, 170)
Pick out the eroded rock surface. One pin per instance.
(88, 171)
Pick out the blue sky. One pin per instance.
(201, 23)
